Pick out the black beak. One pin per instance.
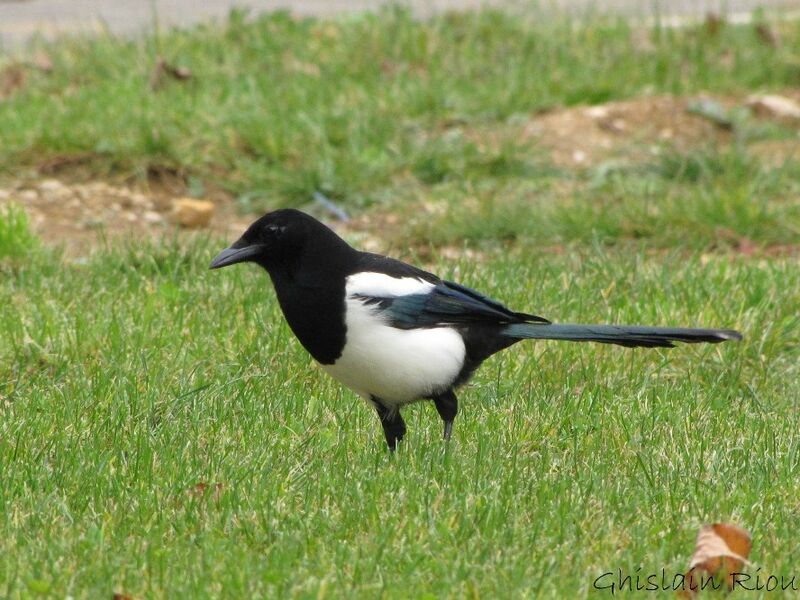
(231, 256)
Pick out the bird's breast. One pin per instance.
(396, 365)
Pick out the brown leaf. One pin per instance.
(721, 548)
(121, 596)
(713, 24)
(43, 62)
(180, 73)
(201, 488)
(12, 78)
(768, 35)
(163, 69)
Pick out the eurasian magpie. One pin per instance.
(396, 334)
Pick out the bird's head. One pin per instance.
(278, 239)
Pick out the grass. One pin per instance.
(162, 434)
(128, 380)
(279, 107)
(701, 199)
(16, 239)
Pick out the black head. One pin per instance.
(278, 239)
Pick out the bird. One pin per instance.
(394, 333)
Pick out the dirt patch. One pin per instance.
(630, 131)
(83, 215)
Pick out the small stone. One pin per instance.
(597, 112)
(772, 105)
(371, 244)
(189, 212)
(151, 216)
(99, 188)
(49, 186)
(28, 196)
(617, 125)
(53, 190)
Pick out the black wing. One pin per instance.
(446, 304)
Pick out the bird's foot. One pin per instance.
(448, 430)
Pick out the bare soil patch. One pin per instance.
(82, 216)
(67, 210)
(629, 131)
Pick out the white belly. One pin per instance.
(396, 365)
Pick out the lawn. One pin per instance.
(279, 107)
(162, 434)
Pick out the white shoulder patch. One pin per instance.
(385, 286)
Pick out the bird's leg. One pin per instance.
(394, 428)
(447, 405)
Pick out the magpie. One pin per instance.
(396, 334)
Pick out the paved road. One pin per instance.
(20, 19)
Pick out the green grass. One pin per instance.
(16, 239)
(128, 380)
(279, 107)
(129, 377)
(704, 199)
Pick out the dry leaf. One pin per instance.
(201, 488)
(713, 24)
(180, 73)
(12, 78)
(164, 69)
(121, 596)
(721, 548)
(768, 35)
(43, 62)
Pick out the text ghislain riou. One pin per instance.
(661, 581)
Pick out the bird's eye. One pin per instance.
(276, 230)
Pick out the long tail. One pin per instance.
(631, 336)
